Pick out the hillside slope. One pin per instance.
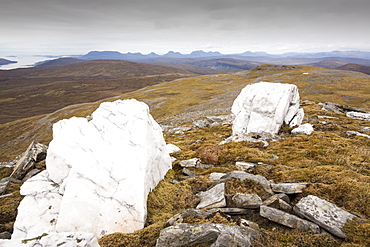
(188, 99)
(356, 67)
(33, 91)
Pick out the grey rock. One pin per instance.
(324, 213)
(179, 218)
(230, 211)
(213, 121)
(215, 234)
(242, 175)
(30, 174)
(189, 163)
(34, 153)
(289, 188)
(329, 106)
(275, 202)
(328, 117)
(275, 157)
(359, 115)
(357, 134)
(5, 235)
(189, 173)
(247, 200)
(288, 220)
(244, 165)
(3, 184)
(283, 197)
(174, 181)
(3, 196)
(216, 175)
(212, 198)
(250, 224)
(70, 239)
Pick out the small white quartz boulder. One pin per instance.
(261, 108)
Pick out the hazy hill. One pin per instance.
(33, 91)
(328, 63)
(5, 61)
(356, 67)
(61, 61)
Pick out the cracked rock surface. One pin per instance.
(99, 174)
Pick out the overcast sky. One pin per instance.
(66, 27)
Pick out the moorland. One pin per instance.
(336, 165)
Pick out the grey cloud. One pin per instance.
(124, 23)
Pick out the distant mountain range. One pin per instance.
(5, 61)
(204, 63)
(201, 54)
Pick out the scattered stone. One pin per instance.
(357, 134)
(304, 129)
(70, 239)
(99, 174)
(212, 198)
(359, 115)
(263, 107)
(275, 202)
(250, 224)
(179, 218)
(189, 163)
(171, 148)
(247, 200)
(215, 234)
(275, 157)
(288, 220)
(213, 121)
(365, 128)
(5, 235)
(174, 181)
(251, 138)
(244, 165)
(242, 175)
(189, 173)
(177, 130)
(3, 184)
(289, 188)
(329, 106)
(324, 213)
(231, 211)
(30, 174)
(283, 197)
(3, 196)
(329, 117)
(34, 153)
(215, 176)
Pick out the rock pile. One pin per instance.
(309, 214)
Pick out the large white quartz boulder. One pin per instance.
(261, 108)
(99, 174)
